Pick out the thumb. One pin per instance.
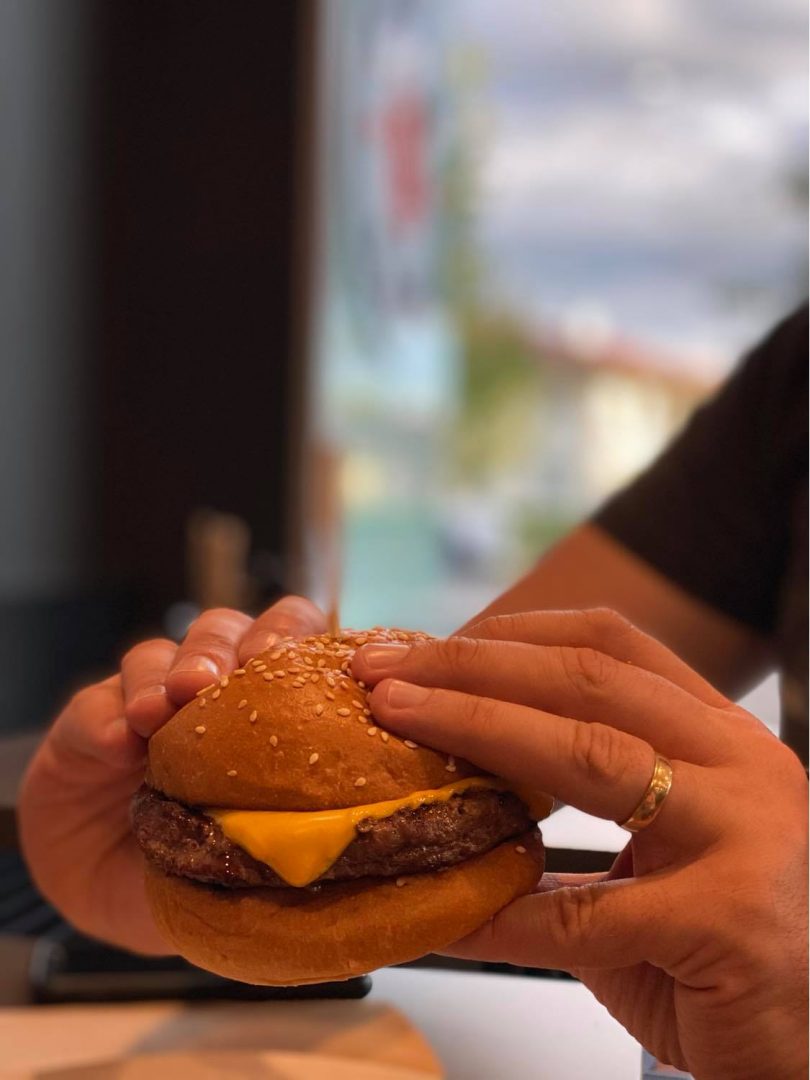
(605, 924)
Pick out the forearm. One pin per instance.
(589, 569)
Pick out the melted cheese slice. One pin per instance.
(302, 845)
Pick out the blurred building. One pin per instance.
(609, 406)
(539, 255)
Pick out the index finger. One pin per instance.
(604, 630)
(592, 766)
(582, 683)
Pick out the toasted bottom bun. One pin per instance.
(281, 937)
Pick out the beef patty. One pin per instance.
(186, 842)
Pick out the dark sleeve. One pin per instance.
(713, 513)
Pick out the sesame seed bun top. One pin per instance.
(292, 731)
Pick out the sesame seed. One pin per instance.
(344, 712)
(357, 704)
(216, 693)
(204, 690)
(366, 712)
(200, 729)
(361, 684)
(410, 745)
(520, 849)
(231, 772)
(254, 716)
(450, 767)
(313, 758)
(202, 702)
(318, 709)
(371, 731)
(309, 661)
(297, 684)
(239, 671)
(223, 682)
(314, 677)
(276, 655)
(384, 736)
(242, 703)
(330, 696)
(360, 781)
(330, 680)
(360, 641)
(280, 674)
(268, 676)
(400, 882)
(274, 740)
(363, 719)
(321, 662)
(260, 667)
(293, 670)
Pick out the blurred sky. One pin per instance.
(640, 163)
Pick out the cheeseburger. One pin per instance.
(290, 839)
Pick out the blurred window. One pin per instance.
(548, 230)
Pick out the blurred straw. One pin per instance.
(217, 547)
(328, 524)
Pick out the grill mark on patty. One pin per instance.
(186, 842)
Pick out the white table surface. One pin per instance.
(511, 1027)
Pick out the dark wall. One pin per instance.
(150, 206)
(197, 124)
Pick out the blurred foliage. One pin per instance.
(499, 373)
(497, 404)
(536, 531)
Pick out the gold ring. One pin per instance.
(653, 798)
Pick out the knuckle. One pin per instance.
(483, 717)
(298, 605)
(588, 669)
(501, 627)
(487, 627)
(575, 916)
(133, 654)
(292, 615)
(598, 753)
(86, 702)
(459, 652)
(83, 697)
(217, 617)
(607, 626)
(143, 648)
(210, 642)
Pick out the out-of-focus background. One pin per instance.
(486, 255)
(550, 230)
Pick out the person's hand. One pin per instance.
(696, 940)
(74, 802)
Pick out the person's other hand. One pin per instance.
(696, 940)
(73, 809)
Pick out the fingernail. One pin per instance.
(403, 695)
(383, 656)
(149, 692)
(196, 664)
